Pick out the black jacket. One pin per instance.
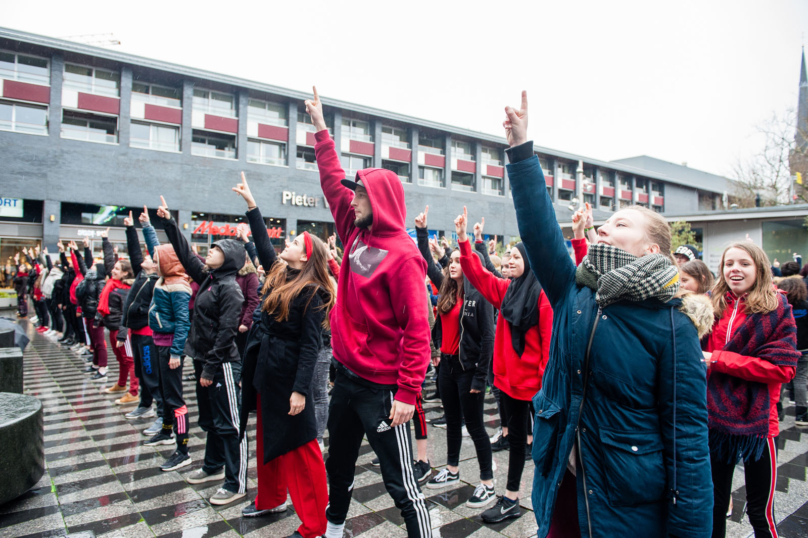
(476, 321)
(137, 301)
(284, 362)
(89, 290)
(218, 302)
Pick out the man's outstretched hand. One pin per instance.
(314, 108)
(516, 123)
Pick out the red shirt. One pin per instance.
(450, 330)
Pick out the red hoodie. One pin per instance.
(380, 323)
(519, 377)
(77, 280)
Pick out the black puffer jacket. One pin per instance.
(476, 321)
(89, 290)
(217, 306)
(137, 301)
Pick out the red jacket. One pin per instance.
(518, 377)
(743, 367)
(380, 323)
(77, 280)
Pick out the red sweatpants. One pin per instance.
(126, 362)
(302, 472)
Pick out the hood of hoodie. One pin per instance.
(169, 267)
(247, 269)
(386, 200)
(234, 255)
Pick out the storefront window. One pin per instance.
(320, 229)
(20, 210)
(9, 246)
(105, 215)
(207, 228)
(782, 238)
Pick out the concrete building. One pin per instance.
(88, 133)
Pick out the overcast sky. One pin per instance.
(681, 81)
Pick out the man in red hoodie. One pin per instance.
(380, 333)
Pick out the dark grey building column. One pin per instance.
(241, 142)
(338, 131)
(597, 188)
(187, 115)
(57, 70)
(124, 117)
(506, 183)
(556, 180)
(291, 143)
(447, 163)
(183, 218)
(50, 230)
(616, 182)
(376, 125)
(478, 175)
(291, 226)
(633, 189)
(414, 173)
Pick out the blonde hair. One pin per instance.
(657, 230)
(762, 297)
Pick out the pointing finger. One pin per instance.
(316, 95)
(130, 214)
(524, 100)
(482, 221)
(426, 211)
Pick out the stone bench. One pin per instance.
(22, 444)
(11, 370)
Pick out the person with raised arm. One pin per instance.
(88, 293)
(211, 344)
(278, 379)
(620, 436)
(521, 350)
(380, 333)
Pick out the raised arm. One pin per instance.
(149, 234)
(192, 264)
(266, 252)
(538, 227)
(109, 253)
(480, 246)
(331, 173)
(432, 271)
(78, 261)
(491, 287)
(133, 245)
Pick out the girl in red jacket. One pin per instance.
(750, 353)
(521, 350)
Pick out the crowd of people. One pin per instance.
(632, 377)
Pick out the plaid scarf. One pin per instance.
(618, 275)
(738, 409)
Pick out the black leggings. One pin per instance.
(519, 413)
(57, 321)
(42, 312)
(761, 480)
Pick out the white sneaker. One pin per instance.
(494, 438)
(465, 431)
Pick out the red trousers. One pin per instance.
(99, 347)
(302, 472)
(126, 362)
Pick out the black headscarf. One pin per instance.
(520, 307)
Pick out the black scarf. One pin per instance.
(520, 307)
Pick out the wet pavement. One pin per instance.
(101, 478)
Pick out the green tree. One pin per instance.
(681, 234)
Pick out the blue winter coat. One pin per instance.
(642, 428)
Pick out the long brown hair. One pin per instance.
(126, 268)
(762, 298)
(314, 275)
(699, 271)
(449, 289)
(794, 288)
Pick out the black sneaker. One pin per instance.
(375, 462)
(501, 444)
(504, 509)
(421, 470)
(98, 375)
(439, 422)
(801, 416)
(529, 452)
(90, 370)
(444, 479)
(251, 511)
(160, 439)
(433, 397)
(483, 496)
(177, 460)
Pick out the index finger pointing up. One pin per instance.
(163, 201)
(426, 211)
(465, 213)
(130, 214)
(316, 95)
(524, 99)
(243, 178)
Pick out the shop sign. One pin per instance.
(211, 228)
(11, 207)
(300, 199)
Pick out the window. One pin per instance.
(153, 136)
(213, 145)
(463, 182)
(625, 203)
(23, 118)
(491, 156)
(625, 183)
(356, 130)
(588, 185)
(656, 189)
(430, 177)
(607, 203)
(429, 144)
(266, 152)
(305, 159)
(395, 137)
(267, 112)
(462, 150)
(353, 163)
(565, 195)
(218, 104)
(493, 186)
(402, 170)
(567, 171)
(641, 186)
(156, 95)
(89, 127)
(606, 179)
(24, 68)
(546, 167)
(92, 80)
